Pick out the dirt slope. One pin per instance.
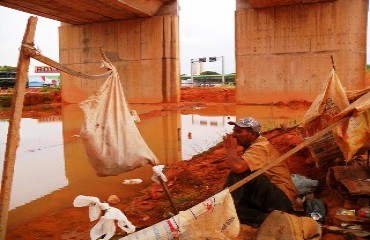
(190, 182)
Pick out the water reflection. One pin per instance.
(52, 167)
(37, 150)
(199, 133)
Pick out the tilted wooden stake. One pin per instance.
(167, 191)
(32, 52)
(14, 124)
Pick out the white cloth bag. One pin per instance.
(109, 133)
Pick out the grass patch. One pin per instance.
(5, 101)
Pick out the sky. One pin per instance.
(12, 26)
(206, 29)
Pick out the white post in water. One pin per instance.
(191, 72)
(223, 70)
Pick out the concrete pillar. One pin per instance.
(144, 50)
(283, 52)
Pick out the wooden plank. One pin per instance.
(14, 125)
(36, 55)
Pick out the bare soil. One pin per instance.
(190, 182)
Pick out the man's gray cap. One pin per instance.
(248, 122)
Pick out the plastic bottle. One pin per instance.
(315, 215)
(132, 181)
(364, 212)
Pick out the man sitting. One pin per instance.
(272, 190)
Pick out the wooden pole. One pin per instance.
(34, 53)
(14, 124)
(168, 194)
(166, 190)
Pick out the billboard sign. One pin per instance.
(45, 69)
(40, 81)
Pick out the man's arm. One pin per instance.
(233, 160)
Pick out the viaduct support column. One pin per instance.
(144, 50)
(283, 52)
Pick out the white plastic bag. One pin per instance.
(107, 216)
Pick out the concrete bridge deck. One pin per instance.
(87, 11)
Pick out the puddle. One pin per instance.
(52, 167)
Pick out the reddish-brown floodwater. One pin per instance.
(52, 167)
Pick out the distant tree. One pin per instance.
(209, 73)
(8, 68)
(367, 67)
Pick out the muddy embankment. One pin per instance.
(42, 100)
(191, 182)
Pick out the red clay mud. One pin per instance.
(190, 182)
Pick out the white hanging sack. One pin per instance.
(109, 133)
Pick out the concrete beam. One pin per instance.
(142, 8)
(273, 3)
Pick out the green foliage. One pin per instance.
(10, 90)
(55, 88)
(209, 73)
(8, 68)
(6, 83)
(368, 67)
(52, 88)
(6, 100)
(44, 89)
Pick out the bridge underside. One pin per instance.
(283, 47)
(140, 37)
(144, 51)
(87, 11)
